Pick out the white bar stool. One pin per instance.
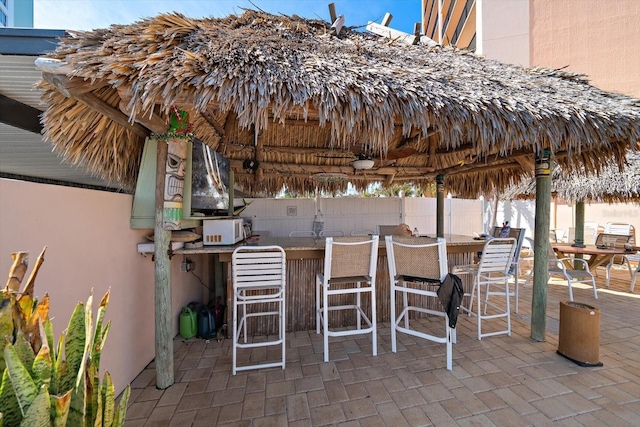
(259, 276)
(417, 266)
(347, 261)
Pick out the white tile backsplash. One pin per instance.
(353, 213)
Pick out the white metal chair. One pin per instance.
(557, 267)
(417, 266)
(619, 228)
(363, 232)
(518, 234)
(529, 258)
(259, 276)
(331, 233)
(348, 261)
(303, 234)
(634, 277)
(493, 269)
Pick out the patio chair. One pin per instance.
(259, 276)
(529, 258)
(331, 233)
(349, 269)
(493, 269)
(303, 234)
(557, 267)
(624, 229)
(518, 234)
(417, 266)
(634, 277)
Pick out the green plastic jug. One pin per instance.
(188, 323)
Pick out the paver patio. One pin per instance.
(501, 380)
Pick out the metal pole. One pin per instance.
(541, 246)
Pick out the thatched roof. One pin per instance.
(317, 100)
(611, 185)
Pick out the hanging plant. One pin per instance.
(179, 126)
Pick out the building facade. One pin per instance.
(16, 13)
(592, 37)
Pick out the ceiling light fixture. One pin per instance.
(363, 164)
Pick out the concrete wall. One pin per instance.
(90, 246)
(595, 37)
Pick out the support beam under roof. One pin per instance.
(19, 115)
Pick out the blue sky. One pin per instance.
(92, 14)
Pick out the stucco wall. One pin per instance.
(595, 37)
(502, 28)
(89, 245)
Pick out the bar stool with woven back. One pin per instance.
(349, 270)
(417, 266)
(493, 270)
(259, 277)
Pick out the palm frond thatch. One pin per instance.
(610, 185)
(300, 100)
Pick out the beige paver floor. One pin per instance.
(501, 380)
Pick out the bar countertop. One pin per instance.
(455, 243)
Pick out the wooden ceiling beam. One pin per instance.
(477, 167)
(350, 177)
(152, 122)
(287, 168)
(95, 103)
(72, 86)
(238, 148)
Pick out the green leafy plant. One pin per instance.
(52, 385)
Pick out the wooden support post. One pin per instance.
(232, 178)
(163, 313)
(440, 205)
(579, 233)
(259, 155)
(386, 21)
(541, 247)
(579, 225)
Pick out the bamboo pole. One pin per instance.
(162, 237)
(541, 247)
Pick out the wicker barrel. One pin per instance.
(579, 335)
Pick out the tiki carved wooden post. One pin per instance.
(174, 183)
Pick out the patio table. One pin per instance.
(598, 256)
